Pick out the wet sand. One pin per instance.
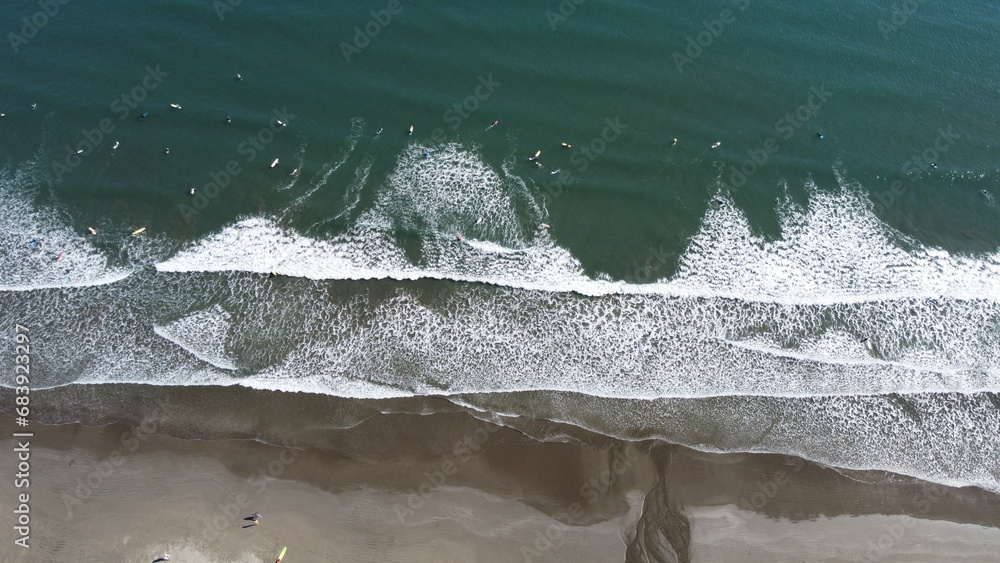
(448, 487)
(94, 497)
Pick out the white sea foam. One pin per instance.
(203, 334)
(796, 325)
(37, 248)
(836, 251)
(775, 326)
(472, 339)
(763, 377)
(440, 197)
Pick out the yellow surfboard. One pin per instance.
(281, 555)
(138, 231)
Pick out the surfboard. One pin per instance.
(281, 555)
(139, 231)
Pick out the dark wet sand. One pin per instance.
(449, 487)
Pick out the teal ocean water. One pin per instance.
(774, 227)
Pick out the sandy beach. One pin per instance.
(467, 491)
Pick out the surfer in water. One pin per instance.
(492, 125)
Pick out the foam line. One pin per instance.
(835, 252)
(202, 335)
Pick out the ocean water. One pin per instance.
(824, 282)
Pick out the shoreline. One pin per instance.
(448, 487)
(315, 419)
